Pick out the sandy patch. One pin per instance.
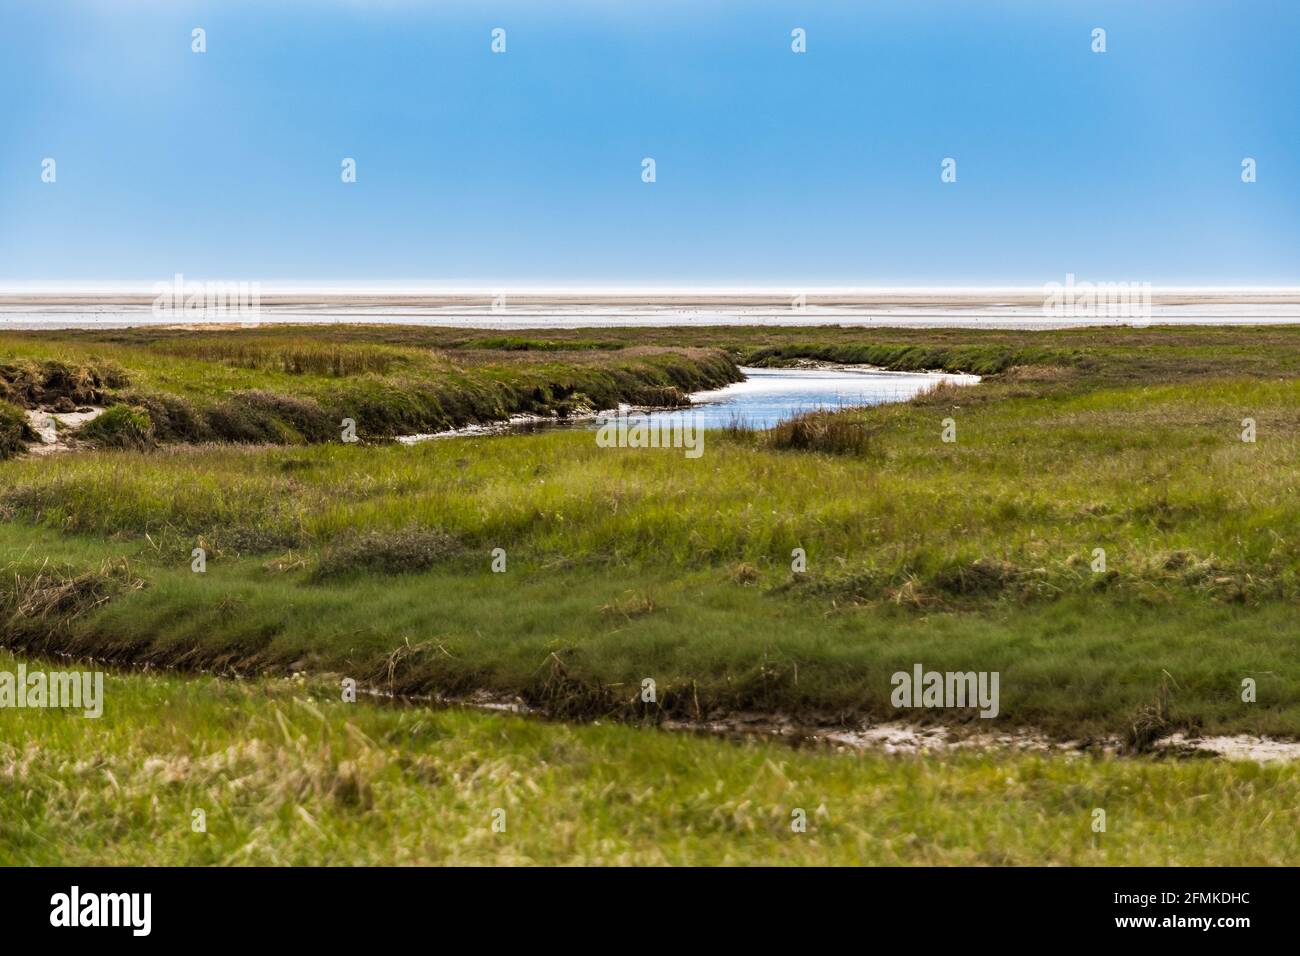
(54, 429)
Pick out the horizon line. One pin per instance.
(133, 288)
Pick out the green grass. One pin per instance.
(287, 773)
(121, 426)
(374, 559)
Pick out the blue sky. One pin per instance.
(772, 167)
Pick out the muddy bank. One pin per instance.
(893, 737)
(896, 737)
(910, 739)
(840, 735)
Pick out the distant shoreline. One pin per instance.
(649, 298)
(554, 311)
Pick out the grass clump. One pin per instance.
(35, 381)
(14, 430)
(819, 430)
(660, 396)
(1150, 722)
(36, 601)
(261, 417)
(175, 419)
(833, 433)
(121, 426)
(983, 577)
(404, 551)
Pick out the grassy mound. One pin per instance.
(34, 381)
(121, 426)
(14, 430)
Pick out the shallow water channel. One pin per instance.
(765, 397)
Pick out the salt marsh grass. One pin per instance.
(980, 553)
(285, 773)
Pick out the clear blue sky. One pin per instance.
(772, 167)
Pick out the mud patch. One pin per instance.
(895, 737)
(1239, 747)
(910, 739)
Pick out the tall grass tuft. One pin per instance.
(39, 599)
(293, 356)
(939, 392)
(834, 433)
